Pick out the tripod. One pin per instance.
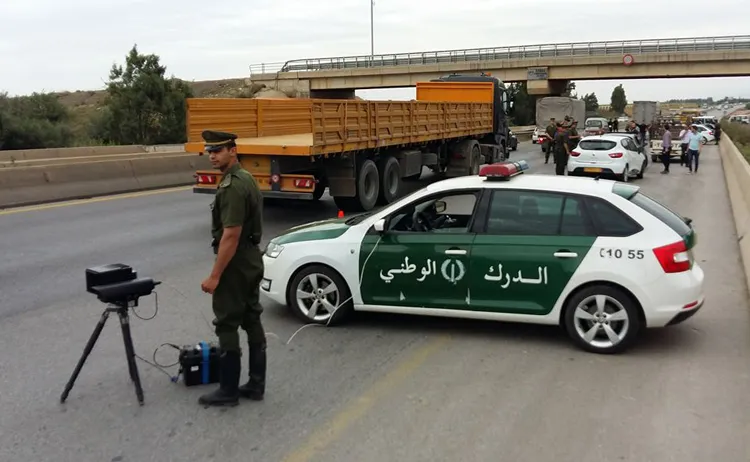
(121, 308)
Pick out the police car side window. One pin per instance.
(537, 213)
(524, 213)
(609, 220)
(446, 213)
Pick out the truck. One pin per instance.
(360, 151)
(558, 107)
(646, 112)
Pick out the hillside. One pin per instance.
(84, 103)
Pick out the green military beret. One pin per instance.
(215, 141)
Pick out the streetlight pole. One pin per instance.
(372, 28)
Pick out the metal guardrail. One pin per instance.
(635, 47)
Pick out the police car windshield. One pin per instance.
(594, 123)
(359, 217)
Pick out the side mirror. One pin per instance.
(379, 225)
(687, 220)
(440, 206)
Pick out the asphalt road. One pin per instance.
(383, 388)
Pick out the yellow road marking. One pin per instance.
(353, 411)
(55, 205)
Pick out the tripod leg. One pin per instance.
(130, 352)
(86, 353)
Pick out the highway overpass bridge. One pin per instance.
(546, 68)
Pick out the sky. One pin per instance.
(53, 45)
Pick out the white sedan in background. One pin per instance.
(707, 134)
(612, 154)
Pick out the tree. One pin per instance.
(142, 106)
(570, 90)
(619, 100)
(35, 121)
(592, 103)
(523, 111)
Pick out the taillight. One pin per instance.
(674, 258)
(574, 153)
(304, 183)
(615, 155)
(206, 179)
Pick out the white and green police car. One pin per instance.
(598, 257)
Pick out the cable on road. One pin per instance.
(174, 378)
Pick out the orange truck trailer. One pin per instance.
(362, 151)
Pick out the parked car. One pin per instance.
(599, 258)
(611, 155)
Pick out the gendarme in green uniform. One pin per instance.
(561, 149)
(549, 142)
(236, 220)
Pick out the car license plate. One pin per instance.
(592, 169)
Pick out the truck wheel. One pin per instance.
(470, 163)
(368, 189)
(389, 171)
(475, 161)
(320, 189)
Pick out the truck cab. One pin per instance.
(501, 136)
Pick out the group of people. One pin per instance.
(559, 139)
(690, 146)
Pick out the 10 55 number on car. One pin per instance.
(619, 253)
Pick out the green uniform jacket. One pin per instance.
(238, 202)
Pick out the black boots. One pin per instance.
(256, 362)
(229, 379)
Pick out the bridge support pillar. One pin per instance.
(333, 94)
(546, 87)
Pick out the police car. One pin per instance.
(597, 257)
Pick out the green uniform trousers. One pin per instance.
(236, 301)
(561, 161)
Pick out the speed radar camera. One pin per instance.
(118, 283)
(118, 286)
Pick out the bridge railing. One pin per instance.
(635, 47)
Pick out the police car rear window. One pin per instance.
(597, 145)
(668, 217)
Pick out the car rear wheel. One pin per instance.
(318, 294)
(624, 177)
(602, 319)
(642, 170)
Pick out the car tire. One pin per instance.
(619, 319)
(625, 177)
(322, 276)
(641, 172)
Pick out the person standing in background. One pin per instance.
(694, 148)
(684, 138)
(666, 148)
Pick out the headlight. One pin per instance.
(273, 250)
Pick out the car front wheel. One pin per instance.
(602, 319)
(318, 294)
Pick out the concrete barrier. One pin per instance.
(34, 185)
(737, 175)
(55, 153)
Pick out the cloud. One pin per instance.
(71, 45)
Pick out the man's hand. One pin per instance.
(209, 285)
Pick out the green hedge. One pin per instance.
(740, 134)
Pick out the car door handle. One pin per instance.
(565, 254)
(455, 252)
